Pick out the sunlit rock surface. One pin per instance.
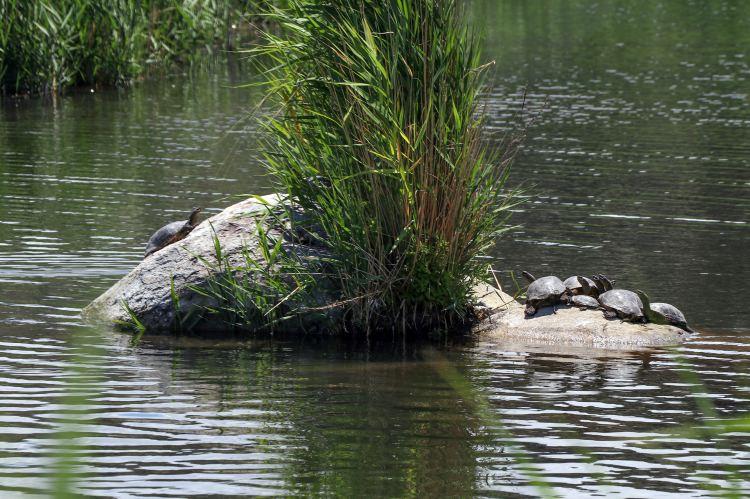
(147, 288)
(572, 326)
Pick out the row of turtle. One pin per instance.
(598, 292)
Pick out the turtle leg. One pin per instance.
(530, 310)
(610, 314)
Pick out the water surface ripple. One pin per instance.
(637, 166)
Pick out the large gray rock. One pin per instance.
(147, 291)
(190, 263)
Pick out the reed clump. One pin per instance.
(49, 45)
(379, 136)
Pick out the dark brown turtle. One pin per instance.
(623, 304)
(663, 313)
(584, 302)
(580, 285)
(543, 292)
(171, 233)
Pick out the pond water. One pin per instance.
(638, 165)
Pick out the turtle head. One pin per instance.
(585, 286)
(528, 276)
(599, 284)
(651, 315)
(644, 298)
(193, 218)
(606, 282)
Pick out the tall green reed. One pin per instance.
(380, 138)
(49, 45)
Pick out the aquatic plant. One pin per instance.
(48, 45)
(380, 138)
(259, 290)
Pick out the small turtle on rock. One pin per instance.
(663, 313)
(584, 298)
(579, 285)
(602, 283)
(300, 227)
(172, 232)
(584, 302)
(543, 292)
(623, 304)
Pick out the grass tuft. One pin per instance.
(49, 45)
(258, 290)
(380, 138)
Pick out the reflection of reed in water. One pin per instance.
(323, 416)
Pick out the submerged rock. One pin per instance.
(188, 265)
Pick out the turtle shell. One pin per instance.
(574, 285)
(625, 303)
(545, 289)
(584, 301)
(672, 313)
(164, 236)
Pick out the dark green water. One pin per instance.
(640, 162)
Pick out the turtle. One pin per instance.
(584, 301)
(579, 285)
(602, 283)
(171, 233)
(623, 304)
(301, 227)
(663, 313)
(545, 291)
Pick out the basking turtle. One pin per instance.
(171, 233)
(602, 283)
(623, 304)
(663, 313)
(300, 227)
(543, 292)
(579, 285)
(584, 301)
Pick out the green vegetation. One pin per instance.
(49, 45)
(379, 138)
(262, 289)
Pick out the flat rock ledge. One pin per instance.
(567, 326)
(147, 291)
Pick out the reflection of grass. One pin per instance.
(488, 417)
(712, 429)
(318, 453)
(81, 378)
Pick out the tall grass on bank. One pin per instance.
(380, 137)
(48, 45)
